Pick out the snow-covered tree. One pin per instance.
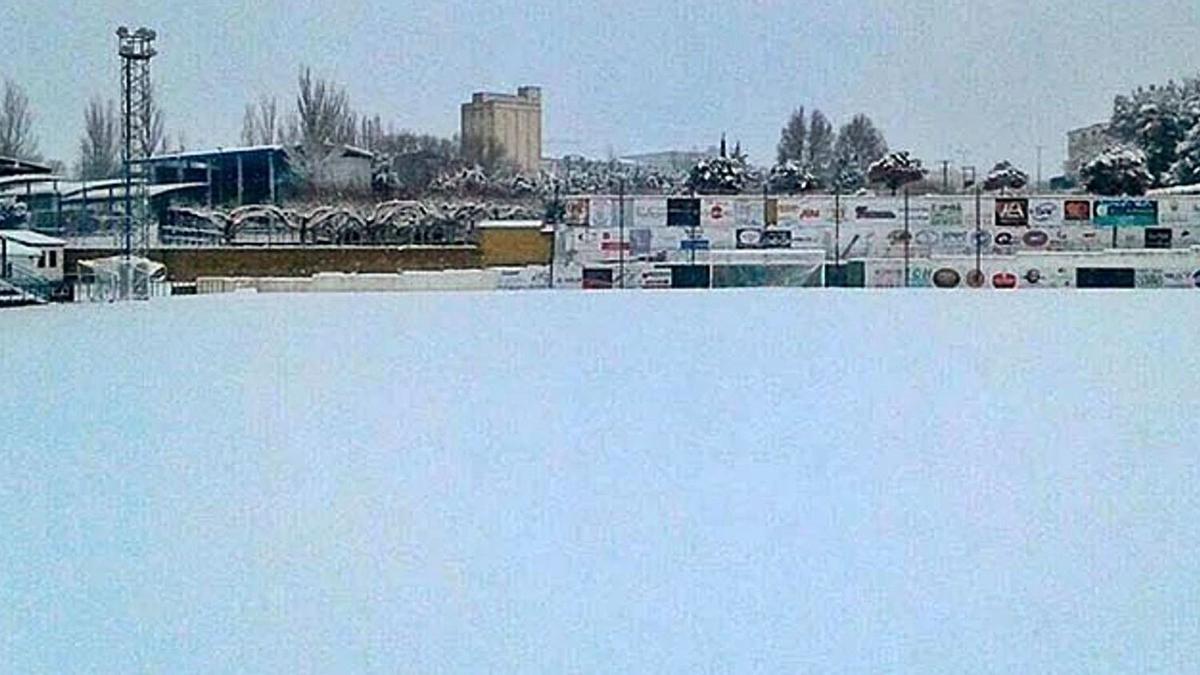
(1157, 119)
(792, 138)
(1005, 176)
(100, 145)
(719, 175)
(858, 145)
(1186, 170)
(896, 170)
(1117, 171)
(790, 177)
(16, 123)
(13, 214)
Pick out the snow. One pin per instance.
(563, 482)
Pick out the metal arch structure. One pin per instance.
(136, 49)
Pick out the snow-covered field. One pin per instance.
(558, 482)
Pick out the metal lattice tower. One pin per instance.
(136, 50)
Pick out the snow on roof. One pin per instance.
(18, 250)
(24, 178)
(118, 190)
(200, 154)
(23, 165)
(31, 238)
(355, 150)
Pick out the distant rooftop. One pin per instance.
(11, 166)
(525, 96)
(31, 238)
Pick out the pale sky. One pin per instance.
(974, 81)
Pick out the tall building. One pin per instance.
(1084, 145)
(504, 127)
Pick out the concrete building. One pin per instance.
(1083, 145)
(504, 127)
(32, 254)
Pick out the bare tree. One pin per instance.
(99, 148)
(261, 124)
(371, 135)
(152, 138)
(324, 121)
(16, 124)
(324, 113)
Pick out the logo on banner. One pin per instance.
(946, 214)
(577, 211)
(777, 239)
(718, 212)
(1004, 280)
(1127, 212)
(1012, 212)
(1077, 210)
(810, 214)
(1005, 239)
(1045, 211)
(946, 278)
(749, 238)
(1036, 239)
(866, 213)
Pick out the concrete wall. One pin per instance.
(186, 264)
(515, 246)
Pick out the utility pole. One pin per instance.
(621, 226)
(907, 236)
(1039, 168)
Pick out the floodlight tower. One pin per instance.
(136, 48)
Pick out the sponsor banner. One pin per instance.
(802, 212)
(946, 215)
(1012, 212)
(695, 245)
(920, 276)
(947, 277)
(649, 213)
(683, 212)
(606, 212)
(578, 211)
(640, 241)
(656, 278)
(717, 212)
(1077, 211)
(877, 211)
(1044, 212)
(1035, 239)
(1179, 210)
(749, 238)
(1004, 280)
(1125, 212)
(1158, 237)
(597, 278)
